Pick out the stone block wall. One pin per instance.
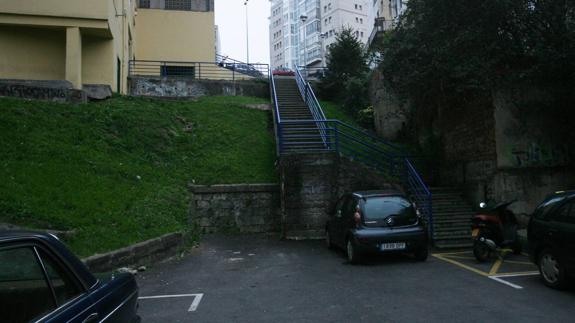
(193, 88)
(312, 185)
(250, 208)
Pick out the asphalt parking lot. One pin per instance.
(262, 279)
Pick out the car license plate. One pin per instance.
(392, 246)
(475, 232)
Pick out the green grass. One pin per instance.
(334, 110)
(116, 171)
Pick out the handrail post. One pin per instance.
(336, 130)
(280, 137)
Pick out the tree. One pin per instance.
(445, 51)
(345, 79)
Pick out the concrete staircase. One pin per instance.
(297, 137)
(452, 218)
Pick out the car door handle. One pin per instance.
(91, 318)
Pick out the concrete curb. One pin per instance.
(141, 253)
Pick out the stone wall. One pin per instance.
(312, 185)
(143, 253)
(55, 91)
(391, 116)
(251, 208)
(193, 88)
(516, 147)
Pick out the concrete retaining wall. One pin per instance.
(193, 88)
(143, 253)
(55, 91)
(252, 208)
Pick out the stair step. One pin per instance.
(452, 235)
(455, 244)
(451, 220)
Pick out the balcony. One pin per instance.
(380, 26)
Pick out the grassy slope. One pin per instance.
(116, 171)
(333, 110)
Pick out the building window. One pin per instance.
(184, 71)
(356, 7)
(361, 20)
(144, 4)
(179, 4)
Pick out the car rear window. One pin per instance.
(379, 208)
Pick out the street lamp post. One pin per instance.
(303, 19)
(247, 35)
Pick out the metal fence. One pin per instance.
(222, 70)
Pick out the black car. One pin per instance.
(42, 281)
(551, 236)
(376, 222)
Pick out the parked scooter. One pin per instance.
(494, 231)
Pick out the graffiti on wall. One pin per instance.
(42, 93)
(538, 155)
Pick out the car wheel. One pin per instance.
(552, 272)
(328, 241)
(421, 254)
(481, 251)
(352, 252)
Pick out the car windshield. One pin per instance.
(377, 208)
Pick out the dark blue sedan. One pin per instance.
(42, 281)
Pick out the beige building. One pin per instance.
(381, 17)
(93, 41)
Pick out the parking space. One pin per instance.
(501, 268)
(263, 279)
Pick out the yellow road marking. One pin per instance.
(495, 267)
(477, 271)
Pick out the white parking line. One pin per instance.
(497, 278)
(193, 307)
(196, 303)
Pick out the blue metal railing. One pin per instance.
(310, 99)
(325, 135)
(420, 193)
(277, 118)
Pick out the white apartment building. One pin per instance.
(292, 21)
(297, 42)
(339, 14)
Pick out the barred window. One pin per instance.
(178, 4)
(144, 4)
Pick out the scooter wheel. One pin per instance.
(481, 251)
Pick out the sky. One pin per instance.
(231, 21)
